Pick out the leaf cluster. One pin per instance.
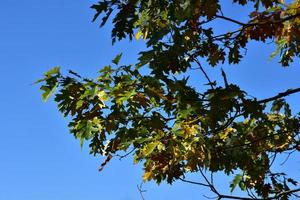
(166, 123)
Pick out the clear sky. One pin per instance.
(40, 160)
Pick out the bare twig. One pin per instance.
(211, 186)
(204, 72)
(125, 155)
(141, 191)
(287, 157)
(193, 182)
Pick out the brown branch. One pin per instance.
(246, 25)
(288, 192)
(211, 186)
(236, 197)
(214, 190)
(125, 155)
(253, 142)
(231, 20)
(250, 193)
(277, 21)
(204, 72)
(193, 182)
(280, 95)
(259, 23)
(287, 157)
(224, 196)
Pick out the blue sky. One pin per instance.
(39, 158)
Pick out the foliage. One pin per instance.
(168, 124)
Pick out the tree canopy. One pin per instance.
(168, 124)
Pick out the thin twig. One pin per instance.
(205, 74)
(287, 157)
(193, 182)
(141, 191)
(125, 155)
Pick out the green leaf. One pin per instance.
(116, 60)
(79, 104)
(48, 91)
(236, 181)
(175, 126)
(277, 105)
(242, 185)
(149, 148)
(48, 74)
(52, 71)
(81, 142)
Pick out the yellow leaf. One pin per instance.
(149, 148)
(147, 176)
(145, 34)
(138, 35)
(102, 97)
(187, 38)
(226, 132)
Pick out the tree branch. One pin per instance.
(231, 20)
(280, 95)
(204, 72)
(259, 23)
(125, 155)
(285, 193)
(246, 25)
(193, 182)
(224, 196)
(141, 191)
